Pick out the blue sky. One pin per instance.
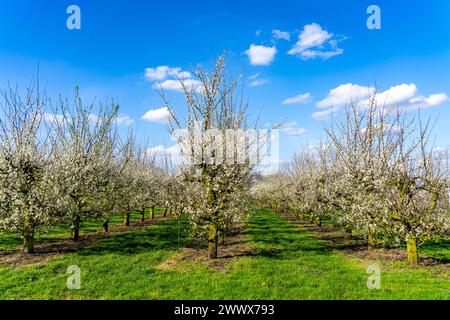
(321, 46)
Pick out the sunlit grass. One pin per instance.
(286, 263)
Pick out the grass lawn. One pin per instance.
(283, 262)
(13, 240)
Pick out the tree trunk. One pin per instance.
(106, 225)
(126, 220)
(301, 215)
(213, 240)
(222, 236)
(165, 212)
(153, 212)
(411, 247)
(76, 228)
(142, 215)
(319, 221)
(371, 242)
(28, 243)
(347, 233)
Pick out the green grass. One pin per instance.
(439, 248)
(286, 263)
(13, 240)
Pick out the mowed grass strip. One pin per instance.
(285, 262)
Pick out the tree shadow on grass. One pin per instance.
(277, 238)
(131, 239)
(436, 252)
(164, 235)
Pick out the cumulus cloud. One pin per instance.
(396, 95)
(325, 114)
(176, 85)
(260, 55)
(123, 119)
(407, 98)
(168, 78)
(344, 94)
(163, 72)
(283, 35)
(160, 115)
(404, 96)
(427, 102)
(299, 99)
(315, 42)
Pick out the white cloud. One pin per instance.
(94, 118)
(312, 54)
(284, 35)
(163, 151)
(175, 85)
(290, 124)
(53, 118)
(60, 119)
(324, 114)
(163, 72)
(396, 95)
(405, 96)
(315, 42)
(295, 132)
(258, 33)
(255, 81)
(258, 82)
(344, 94)
(261, 55)
(168, 78)
(318, 146)
(124, 119)
(291, 130)
(440, 150)
(430, 101)
(184, 75)
(301, 98)
(161, 115)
